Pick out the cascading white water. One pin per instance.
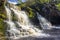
(22, 17)
(45, 24)
(26, 28)
(24, 22)
(8, 15)
(11, 28)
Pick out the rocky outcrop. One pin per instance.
(49, 11)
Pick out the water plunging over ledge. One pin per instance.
(25, 29)
(45, 24)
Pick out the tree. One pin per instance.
(19, 1)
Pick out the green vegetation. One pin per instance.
(58, 6)
(2, 18)
(44, 1)
(30, 12)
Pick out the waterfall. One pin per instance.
(8, 13)
(25, 28)
(22, 17)
(11, 25)
(45, 24)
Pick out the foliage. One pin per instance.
(2, 18)
(19, 1)
(44, 1)
(31, 14)
(58, 6)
